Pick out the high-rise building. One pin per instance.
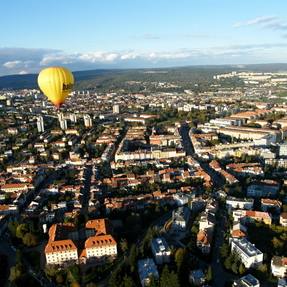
(40, 124)
(73, 118)
(283, 149)
(62, 121)
(116, 109)
(88, 121)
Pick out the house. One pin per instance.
(197, 277)
(279, 266)
(250, 256)
(62, 246)
(180, 218)
(146, 270)
(100, 246)
(263, 188)
(8, 209)
(270, 204)
(15, 187)
(180, 198)
(60, 251)
(238, 230)
(250, 215)
(203, 241)
(283, 218)
(247, 281)
(239, 203)
(282, 282)
(197, 204)
(207, 220)
(160, 250)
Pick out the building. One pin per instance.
(180, 218)
(197, 277)
(270, 204)
(283, 149)
(60, 251)
(146, 270)
(100, 246)
(250, 256)
(283, 218)
(203, 241)
(239, 203)
(62, 246)
(62, 121)
(88, 121)
(282, 282)
(264, 188)
(247, 281)
(279, 266)
(160, 250)
(73, 118)
(116, 109)
(251, 215)
(40, 124)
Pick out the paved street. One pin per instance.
(184, 133)
(220, 275)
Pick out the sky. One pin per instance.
(97, 34)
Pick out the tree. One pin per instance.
(277, 244)
(15, 272)
(241, 269)
(12, 227)
(179, 257)
(30, 239)
(124, 245)
(224, 250)
(127, 282)
(153, 282)
(234, 267)
(164, 278)
(209, 274)
(59, 278)
(228, 262)
(132, 258)
(50, 270)
(168, 278)
(21, 230)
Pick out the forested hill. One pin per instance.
(94, 78)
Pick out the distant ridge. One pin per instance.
(29, 81)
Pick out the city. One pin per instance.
(143, 143)
(146, 186)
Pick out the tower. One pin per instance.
(88, 121)
(62, 121)
(40, 124)
(116, 109)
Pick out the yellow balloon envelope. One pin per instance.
(56, 83)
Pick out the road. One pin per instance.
(184, 133)
(86, 189)
(220, 275)
(7, 249)
(217, 179)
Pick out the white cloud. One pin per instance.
(256, 21)
(19, 61)
(12, 64)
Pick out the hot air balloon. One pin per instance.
(56, 83)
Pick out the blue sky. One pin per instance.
(86, 34)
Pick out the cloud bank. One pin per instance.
(22, 61)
